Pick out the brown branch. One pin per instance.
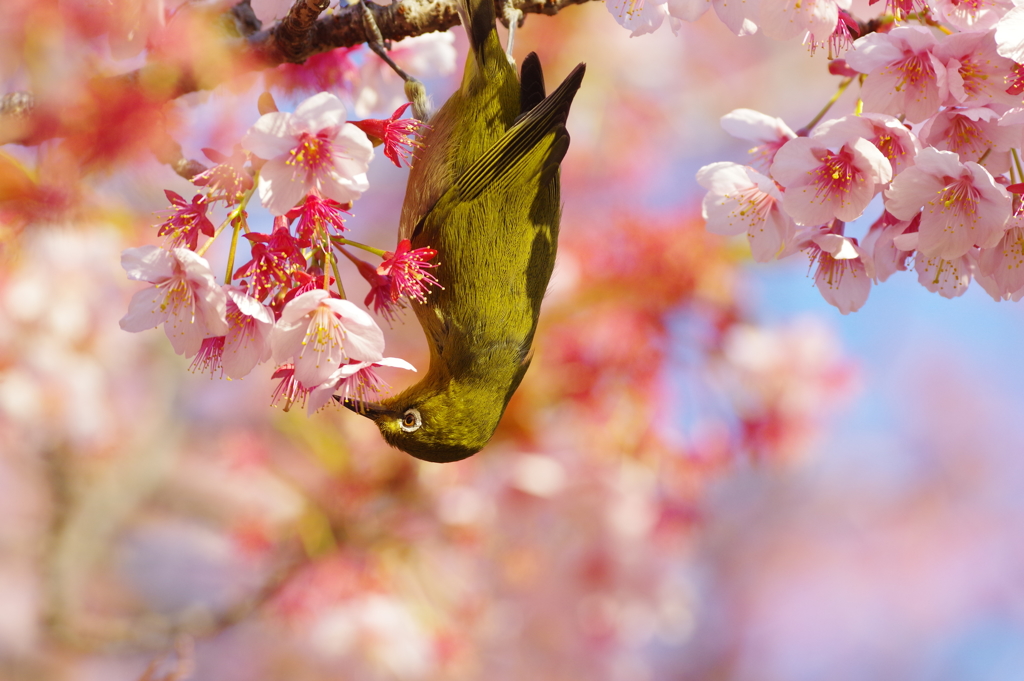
(295, 31)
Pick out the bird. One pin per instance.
(483, 192)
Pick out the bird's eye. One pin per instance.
(411, 420)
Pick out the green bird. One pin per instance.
(484, 193)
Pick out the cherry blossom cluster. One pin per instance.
(287, 302)
(932, 150)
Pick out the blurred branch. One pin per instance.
(169, 152)
(302, 34)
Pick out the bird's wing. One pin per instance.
(508, 159)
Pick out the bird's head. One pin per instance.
(436, 424)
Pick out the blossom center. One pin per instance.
(913, 71)
(177, 296)
(961, 196)
(313, 156)
(324, 331)
(973, 76)
(835, 174)
(754, 203)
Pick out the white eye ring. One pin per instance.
(411, 420)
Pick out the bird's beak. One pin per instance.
(368, 409)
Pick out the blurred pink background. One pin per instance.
(708, 473)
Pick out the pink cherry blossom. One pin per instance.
(948, 278)
(185, 297)
(770, 132)
(311, 149)
(247, 342)
(736, 15)
(741, 200)
(288, 388)
(397, 134)
(963, 205)
(407, 271)
(331, 70)
(187, 220)
(1004, 262)
(976, 74)
(1009, 35)
(787, 19)
(976, 15)
(210, 356)
(276, 259)
(842, 276)
(318, 333)
(829, 177)
(229, 180)
(887, 133)
(639, 16)
(357, 380)
(880, 246)
(904, 77)
(1013, 120)
(973, 133)
(318, 219)
(841, 38)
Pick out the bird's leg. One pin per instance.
(512, 18)
(414, 90)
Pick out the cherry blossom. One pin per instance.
(742, 200)
(904, 78)
(896, 142)
(880, 247)
(406, 270)
(735, 15)
(829, 177)
(357, 380)
(963, 205)
(948, 278)
(1004, 262)
(325, 71)
(977, 15)
(976, 74)
(310, 149)
(772, 133)
(973, 133)
(247, 342)
(289, 388)
(276, 259)
(640, 16)
(187, 220)
(228, 180)
(381, 295)
(787, 19)
(842, 275)
(318, 333)
(395, 133)
(318, 219)
(1009, 34)
(185, 297)
(210, 356)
